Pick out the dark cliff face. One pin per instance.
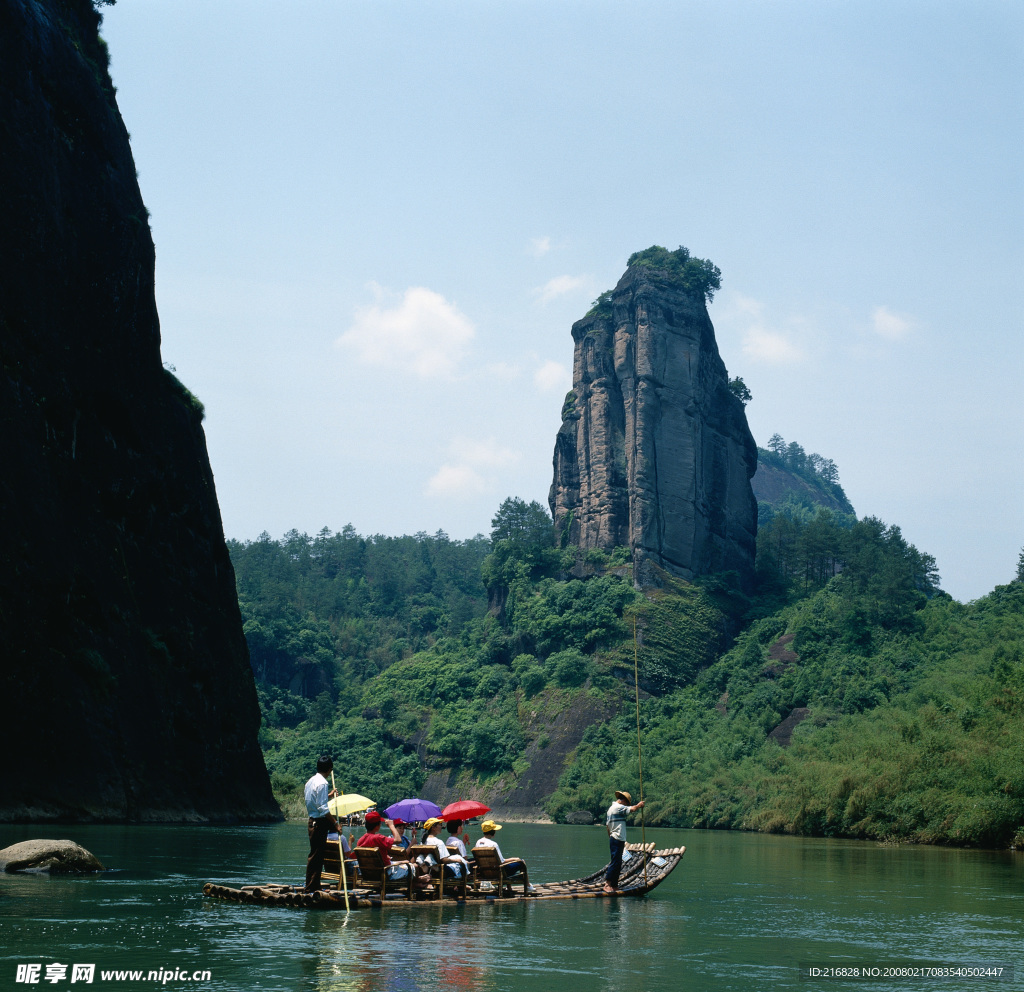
(654, 451)
(125, 680)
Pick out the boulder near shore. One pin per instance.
(63, 857)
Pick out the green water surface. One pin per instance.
(742, 911)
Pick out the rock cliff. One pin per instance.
(654, 451)
(125, 681)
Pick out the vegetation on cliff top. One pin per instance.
(697, 275)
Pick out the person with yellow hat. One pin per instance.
(511, 866)
(615, 824)
(452, 863)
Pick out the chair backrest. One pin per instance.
(422, 851)
(371, 864)
(487, 864)
(332, 860)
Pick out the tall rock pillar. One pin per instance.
(654, 451)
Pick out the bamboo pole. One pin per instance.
(341, 855)
(639, 749)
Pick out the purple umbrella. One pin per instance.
(412, 810)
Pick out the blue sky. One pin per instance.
(375, 223)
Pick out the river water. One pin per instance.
(742, 911)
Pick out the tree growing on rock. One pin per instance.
(527, 526)
(740, 390)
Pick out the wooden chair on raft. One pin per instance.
(372, 873)
(332, 865)
(437, 872)
(490, 869)
(417, 852)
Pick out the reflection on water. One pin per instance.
(742, 911)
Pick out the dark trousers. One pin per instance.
(611, 876)
(318, 830)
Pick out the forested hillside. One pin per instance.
(791, 481)
(847, 713)
(848, 696)
(325, 614)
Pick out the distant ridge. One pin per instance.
(788, 478)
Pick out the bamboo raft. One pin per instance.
(633, 882)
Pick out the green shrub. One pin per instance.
(570, 667)
(185, 395)
(696, 274)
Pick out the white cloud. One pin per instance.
(471, 469)
(505, 371)
(890, 325)
(456, 480)
(488, 453)
(747, 306)
(552, 376)
(560, 286)
(772, 347)
(423, 333)
(540, 246)
(761, 343)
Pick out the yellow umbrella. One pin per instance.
(349, 803)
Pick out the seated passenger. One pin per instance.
(345, 849)
(453, 863)
(511, 866)
(373, 838)
(454, 842)
(403, 842)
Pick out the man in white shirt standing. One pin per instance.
(321, 820)
(615, 823)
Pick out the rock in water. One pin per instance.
(123, 670)
(63, 857)
(654, 451)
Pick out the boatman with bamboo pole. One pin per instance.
(615, 824)
(321, 820)
(615, 818)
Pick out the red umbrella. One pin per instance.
(464, 809)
